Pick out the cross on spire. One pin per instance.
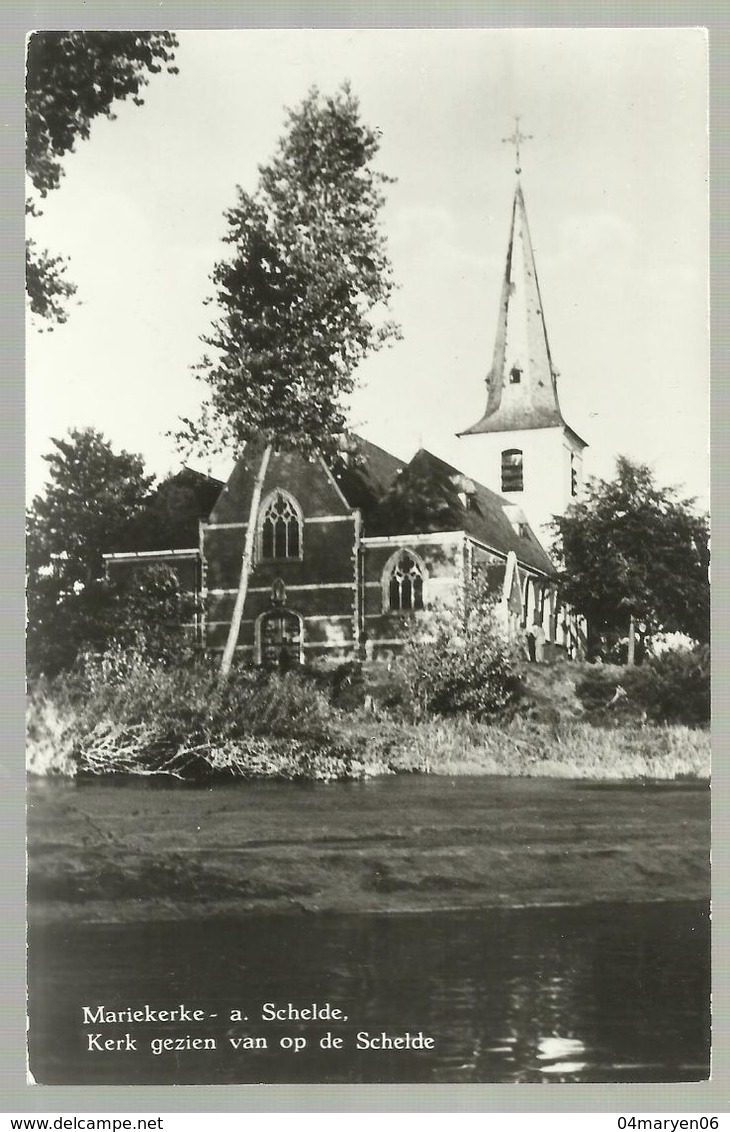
(515, 140)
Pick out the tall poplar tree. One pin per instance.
(302, 297)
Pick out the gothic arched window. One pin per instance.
(512, 479)
(280, 527)
(403, 584)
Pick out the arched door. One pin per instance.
(281, 639)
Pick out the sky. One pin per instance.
(616, 186)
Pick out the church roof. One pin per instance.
(169, 519)
(367, 475)
(485, 518)
(311, 483)
(521, 385)
(369, 480)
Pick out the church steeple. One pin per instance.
(521, 386)
(524, 449)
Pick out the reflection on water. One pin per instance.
(606, 993)
(561, 1055)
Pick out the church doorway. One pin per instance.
(280, 637)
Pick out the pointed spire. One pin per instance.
(521, 385)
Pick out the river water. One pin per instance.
(600, 993)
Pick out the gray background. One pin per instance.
(18, 1096)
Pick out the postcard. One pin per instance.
(368, 557)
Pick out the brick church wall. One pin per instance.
(320, 584)
(441, 557)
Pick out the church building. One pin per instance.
(347, 555)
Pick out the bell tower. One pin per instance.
(522, 448)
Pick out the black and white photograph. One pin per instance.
(368, 556)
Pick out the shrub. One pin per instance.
(185, 702)
(50, 735)
(122, 712)
(348, 689)
(597, 686)
(460, 662)
(285, 705)
(673, 687)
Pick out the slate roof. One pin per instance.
(485, 520)
(365, 477)
(382, 466)
(206, 488)
(364, 481)
(309, 480)
(521, 345)
(169, 521)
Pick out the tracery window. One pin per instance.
(405, 584)
(281, 531)
(512, 470)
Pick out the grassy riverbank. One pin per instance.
(287, 838)
(179, 723)
(117, 853)
(156, 793)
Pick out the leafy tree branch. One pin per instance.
(73, 77)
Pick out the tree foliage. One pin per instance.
(142, 609)
(46, 285)
(301, 291)
(92, 495)
(73, 77)
(632, 548)
(300, 299)
(459, 662)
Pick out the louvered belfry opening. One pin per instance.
(512, 470)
